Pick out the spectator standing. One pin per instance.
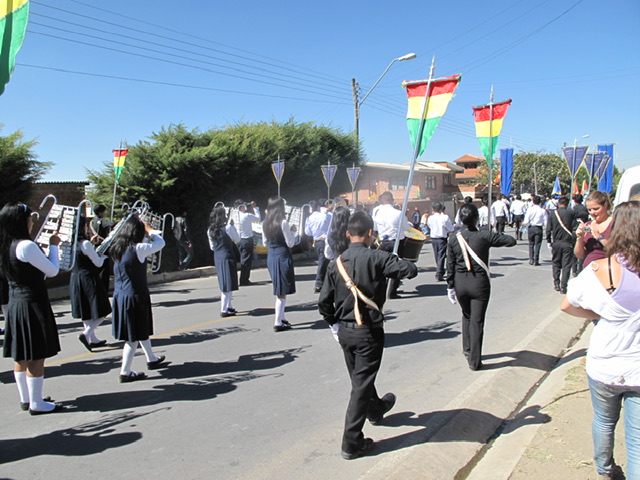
(561, 227)
(183, 241)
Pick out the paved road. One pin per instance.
(239, 401)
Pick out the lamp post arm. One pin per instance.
(378, 81)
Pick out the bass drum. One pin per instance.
(414, 239)
(259, 247)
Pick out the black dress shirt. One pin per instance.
(368, 269)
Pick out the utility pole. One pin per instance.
(356, 111)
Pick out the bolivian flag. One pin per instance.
(488, 126)
(119, 157)
(13, 24)
(426, 108)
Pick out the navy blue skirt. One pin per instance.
(280, 266)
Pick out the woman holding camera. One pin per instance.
(592, 236)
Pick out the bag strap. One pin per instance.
(467, 250)
(562, 223)
(355, 291)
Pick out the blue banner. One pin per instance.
(605, 182)
(506, 170)
(557, 190)
(574, 157)
(353, 174)
(328, 172)
(278, 170)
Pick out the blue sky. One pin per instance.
(570, 66)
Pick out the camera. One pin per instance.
(586, 229)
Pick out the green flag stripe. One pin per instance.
(414, 129)
(12, 29)
(488, 146)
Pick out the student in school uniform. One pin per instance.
(31, 334)
(221, 238)
(358, 325)
(132, 316)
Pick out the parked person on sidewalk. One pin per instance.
(356, 320)
(317, 227)
(561, 227)
(183, 240)
(31, 334)
(517, 210)
(592, 236)
(337, 241)
(279, 237)
(440, 226)
(132, 316)
(89, 298)
(221, 238)
(536, 220)
(468, 278)
(245, 244)
(608, 290)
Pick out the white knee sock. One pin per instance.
(148, 351)
(224, 301)
(229, 300)
(128, 353)
(95, 324)
(280, 304)
(35, 395)
(23, 388)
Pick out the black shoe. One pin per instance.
(132, 377)
(227, 314)
(99, 344)
(156, 364)
(474, 368)
(536, 264)
(563, 290)
(389, 400)
(530, 262)
(394, 295)
(317, 290)
(282, 328)
(246, 284)
(84, 341)
(25, 406)
(58, 407)
(232, 311)
(557, 287)
(366, 447)
(286, 322)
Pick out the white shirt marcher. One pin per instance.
(440, 225)
(385, 222)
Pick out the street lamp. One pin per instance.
(357, 103)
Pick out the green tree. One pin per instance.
(19, 167)
(179, 169)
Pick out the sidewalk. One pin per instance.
(560, 447)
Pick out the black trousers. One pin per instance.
(362, 348)
(387, 246)
(323, 263)
(246, 259)
(439, 254)
(473, 291)
(517, 221)
(535, 240)
(562, 261)
(501, 221)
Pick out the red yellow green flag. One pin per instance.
(13, 24)
(488, 126)
(119, 157)
(428, 106)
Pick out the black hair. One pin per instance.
(437, 207)
(578, 198)
(272, 225)
(99, 209)
(485, 201)
(217, 219)
(313, 205)
(386, 198)
(564, 201)
(338, 240)
(469, 214)
(359, 224)
(14, 218)
(468, 200)
(131, 233)
(537, 200)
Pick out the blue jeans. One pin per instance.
(607, 401)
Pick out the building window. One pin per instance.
(397, 183)
(430, 182)
(446, 179)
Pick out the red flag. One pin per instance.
(585, 187)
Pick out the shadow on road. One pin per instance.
(529, 359)
(85, 439)
(438, 331)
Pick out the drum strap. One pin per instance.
(355, 291)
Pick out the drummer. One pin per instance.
(385, 222)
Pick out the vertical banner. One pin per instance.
(328, 172)
(605, 181)
(353, 174)
(506, 170)
(574, 157)
(489, 120)
(557, 190)
(119, 158)
(278, 170)
(13, 25)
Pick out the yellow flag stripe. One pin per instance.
(482, 128)
(436, 108)
(15, 5)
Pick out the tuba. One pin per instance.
(65, 221)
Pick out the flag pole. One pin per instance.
(416, 151)
(490, 160)
(115, 186)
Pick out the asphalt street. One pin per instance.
(239, 401)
